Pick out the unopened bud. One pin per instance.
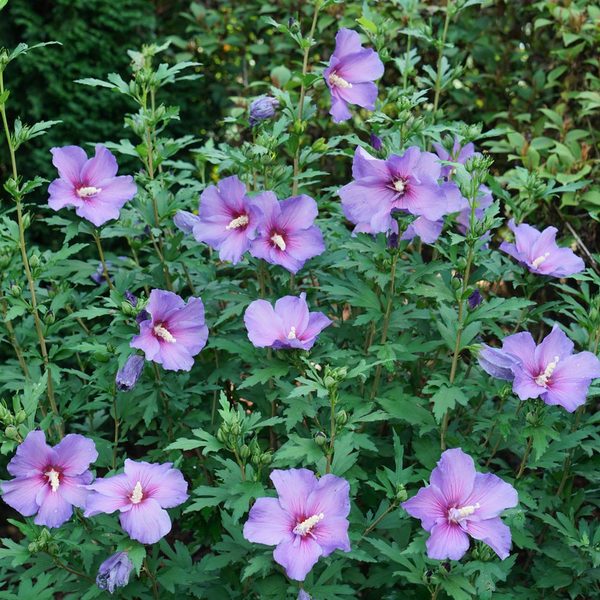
(49, 318)
(11, 432)
(401, 494)
(20, 416)
(16, 290)
(34, 261)
(266, 458)
(320, 438)
(341, 418)
(245, 452)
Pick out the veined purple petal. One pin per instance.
(492, 532)
(447, 540)
(298, 558)
(454, 476)
(268, 523)
(497, 363)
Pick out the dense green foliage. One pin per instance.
(396, 370)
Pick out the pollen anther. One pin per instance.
(338, 81)
(53, 479)
(292, 334)
(307, 525)
(87, 191)
(458, 514)
(164, 333)
(278, 240)
(137, 494)
(543, 378)
(539, 260)
(240, 221)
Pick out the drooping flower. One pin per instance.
(141, 495)
(90, 185)
(350, 75)
(458, 154)
(288, 325)
(306, 521)
(49, 481)
(549, 371)
(262, 108)
(458, 503)
(174, 332)
(287, 235)
(129, 373)
(406, 183)
(98, 275)
(539, 252)
(114, 572)
(303, 595)
(475, 299)
(226, 221)
(376, 142)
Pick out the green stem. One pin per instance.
(116, 437)
(25, 259)
(380, 518)
(525, 457)
(102, 259)
(442, 43)
(152, 578)
(333, 400)
(386, 321)
(303, 94)
(407, 62)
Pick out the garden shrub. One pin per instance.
(342, 345)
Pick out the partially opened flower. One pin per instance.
(48, 481)
(174, 332)
(90, 185)
(460, 503)
(114, 572)
(306, 521)
(457, 154)
(288, 325)
(141, 495)
(350, 75)
(129, 373)
(226, 221)
(287, 235)
(406, 183)
(549, 371)
(539, 252)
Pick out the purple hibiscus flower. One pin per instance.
(350, 75)
(458, 503)
(287, 235)
(458, 154)
(174, 332)
(141, 495)
(49, 481)
(307, 520)
(262, 108)
(226, 221)
(549, 371)
(407, 183)
(288, 325)
(539, 252)
(90, 185)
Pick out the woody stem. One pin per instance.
(102, 259)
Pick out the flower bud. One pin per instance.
(129, 373)
(221, 435)
(34, 261)
(262, 108)
(49, 318)
(266, 458)
(20, 416)
(11, 432)
(16, 290)
(475, 299)
(320, 438)
(245, 452)
(114, 572)
(401, 494)
(376, 142)
(320, 145)
(341, 418)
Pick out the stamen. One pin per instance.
(137, 494)
(164, 333)
(306, 526)
(458, 514)
(278, 241)
(240, 221)
(339, 81)
(400, 185)
(539, 260)
(292, 334)
(87, 191)
(53, 479)
(543, 378)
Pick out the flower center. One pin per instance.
(292, 334)
(543, 378)
(338, 81)
(539, 260)
(164, 333)
(399, 185)
(87, 191)
(53, 478)
(137, 494)
(306, 526)
(240, 221)
(278, 240)
(456, 515)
